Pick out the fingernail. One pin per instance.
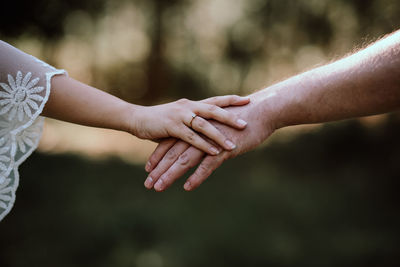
(241, 122)
(159, 185)
(187, 186)
(148, 182)
(230, 144)
(148, 166)
(214, 151)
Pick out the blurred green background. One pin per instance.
(327, 196)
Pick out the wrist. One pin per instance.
(270, 104)
(282, 104)
(131, 118)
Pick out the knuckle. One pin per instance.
(153, 158)
(200, 123)
(155, 174)
(212, 99)
(171, 154)
(183, 101)
(203, 170)
(212, 108)
(165, 177)
(190, 136)
(184, 160)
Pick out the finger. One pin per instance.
(189, 136)
(227, 100)
(188, 159)
(170, 157)
(161, 149)
(202, 126)
(206, 167)
(214, 112)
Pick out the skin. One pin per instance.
(365, 83)
(79, 103)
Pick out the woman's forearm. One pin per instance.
(76, 102)
(365, 83)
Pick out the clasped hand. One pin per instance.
(172, 158)
(186, 120)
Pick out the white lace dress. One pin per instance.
(24, 90)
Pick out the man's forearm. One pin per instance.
(365, 83)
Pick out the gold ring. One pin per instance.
(193, 117)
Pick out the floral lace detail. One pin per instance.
(25, 84)
(5, 159)
(20, 95)
(5, 194)
(21, 101)
(6, 151)
(18, 147)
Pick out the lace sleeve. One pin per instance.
(24, 90)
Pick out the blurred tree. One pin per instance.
(43, 18)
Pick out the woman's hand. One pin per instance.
(173, 158)
(185, 119)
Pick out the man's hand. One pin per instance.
(365, 83)
(173, 158)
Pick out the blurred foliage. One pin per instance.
(324, 199)
(42, 17)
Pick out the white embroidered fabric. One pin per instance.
(25, 84)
